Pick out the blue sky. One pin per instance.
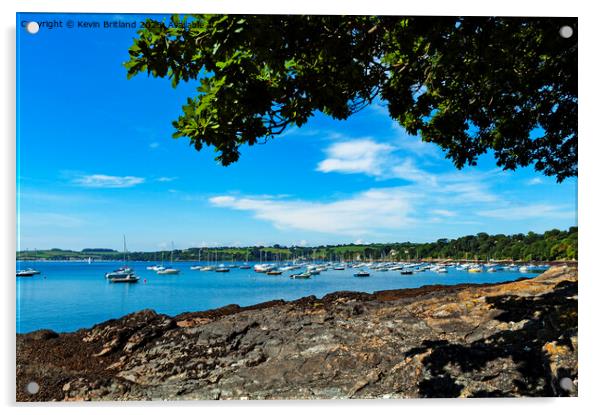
(96, 160)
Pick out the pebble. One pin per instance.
(567, 384)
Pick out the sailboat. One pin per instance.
(169, 270)
(123, 271)
(221, 267)
(246, 263)
(197, 267)
(207, 267)
(154, 267)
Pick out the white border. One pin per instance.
(590, 95)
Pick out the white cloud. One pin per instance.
(363, 213)
(466, 190)
(534, 181)
(436, 196)
(356, 156)
(533, 211)
(104, 181)
(427, 198)
(154, 144)
(365, 156)
(407, 170)
(166, 179)
(443, 212)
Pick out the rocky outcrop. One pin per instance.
(509, 339)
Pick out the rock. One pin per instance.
(510, 339)
(43, 335)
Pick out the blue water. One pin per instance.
(68, 296)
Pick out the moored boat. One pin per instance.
(120, 272)
(197, 267)
(124, 270)
(130, 278)
(361, 274)
(168, 271)
(263, 268)
(29, 272)
(303, 275)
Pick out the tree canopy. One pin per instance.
(469, 84)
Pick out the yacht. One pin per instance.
(303, 275)
(361, 274)
(263, 267)
(124, 270)
(29, 272)
(130, 278)
(169, 270)
(197, 267)
(120, 272)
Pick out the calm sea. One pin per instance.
(68, 296)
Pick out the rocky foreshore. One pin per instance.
(509, 339)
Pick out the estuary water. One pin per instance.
(67, 296)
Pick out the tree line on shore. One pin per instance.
(552, 245)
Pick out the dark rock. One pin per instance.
(43, 335)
